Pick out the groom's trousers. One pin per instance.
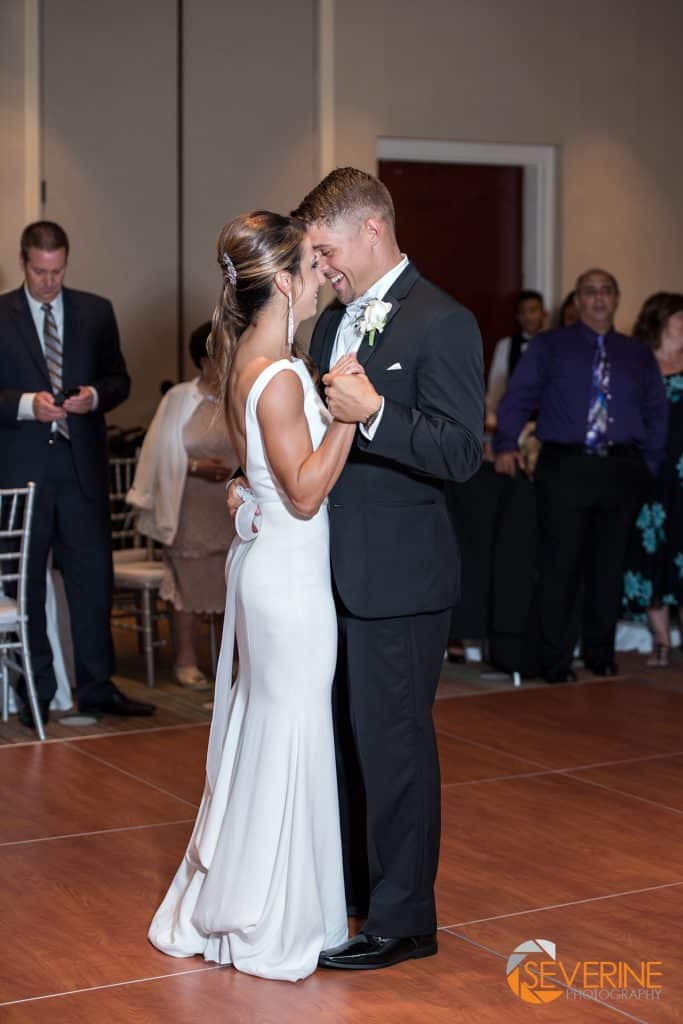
(388, 767)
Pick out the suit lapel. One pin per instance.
(70, 347)
(398, 291)
(29, 336)
(331, 328)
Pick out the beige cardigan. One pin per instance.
(159, 482)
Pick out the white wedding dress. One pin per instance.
(261, 885)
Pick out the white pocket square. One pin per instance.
(395, 366)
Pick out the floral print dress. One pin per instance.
(654, 574)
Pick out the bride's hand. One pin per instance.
(211, 469)
(233, 498)
(347, 364)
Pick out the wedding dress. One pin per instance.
(261, 884)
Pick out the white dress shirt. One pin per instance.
(25, 410)
(498, 373)
(348, 340)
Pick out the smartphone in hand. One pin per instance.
(61, 396)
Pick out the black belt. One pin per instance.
(614, 450)
(58, 437)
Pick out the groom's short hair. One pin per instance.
(346, 192)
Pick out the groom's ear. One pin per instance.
(374, 229)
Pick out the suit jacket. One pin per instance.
(91, 356)
(393, 548)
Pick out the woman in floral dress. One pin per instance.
(653, 582)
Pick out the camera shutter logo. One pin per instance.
(530, 990)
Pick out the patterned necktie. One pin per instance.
(349, 337)
(596, 429)
(53, 357)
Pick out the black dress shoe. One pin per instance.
(603, 668)
(566, 676)
(371, 952)
(26, 716)
(117, 704)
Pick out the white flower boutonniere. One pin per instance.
(374, 319)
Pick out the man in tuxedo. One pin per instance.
(530, 316)
(395, 561)
(61, 369)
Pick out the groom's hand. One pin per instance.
(351, 398)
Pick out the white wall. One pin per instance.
(603, 82)
(110, 153)
(109, 160)
(250, 124)
(12, 139)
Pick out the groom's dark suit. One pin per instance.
(71, 509)
(395, 565)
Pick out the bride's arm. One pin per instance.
(305, 475)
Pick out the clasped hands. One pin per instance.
(508, 463)
(46, 410)
(351, 398)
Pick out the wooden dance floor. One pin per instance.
(562, 820)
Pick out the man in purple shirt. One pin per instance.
(602, 418)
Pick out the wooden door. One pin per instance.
(462, 226)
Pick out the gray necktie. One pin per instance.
(349, 335)
(53, 357)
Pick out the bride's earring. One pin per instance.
(290, 322)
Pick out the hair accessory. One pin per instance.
(229, 269)
(290, 322)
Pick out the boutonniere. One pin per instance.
(374, 319)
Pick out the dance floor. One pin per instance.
(562, 820)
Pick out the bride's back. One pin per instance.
(243, 375)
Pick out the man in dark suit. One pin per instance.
(61, 369)
(394, 554)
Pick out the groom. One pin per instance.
(395, 561)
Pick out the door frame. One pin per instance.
(539, 200)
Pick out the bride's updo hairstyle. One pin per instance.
(251, 250)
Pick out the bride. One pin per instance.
(261, 884)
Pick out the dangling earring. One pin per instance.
(290, 322)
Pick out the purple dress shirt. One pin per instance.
(554, 377)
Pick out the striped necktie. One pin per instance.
(596, 428)
(53, 357)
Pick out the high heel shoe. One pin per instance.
(191, 677)
(659, 657)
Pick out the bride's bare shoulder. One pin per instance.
(244, 377)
